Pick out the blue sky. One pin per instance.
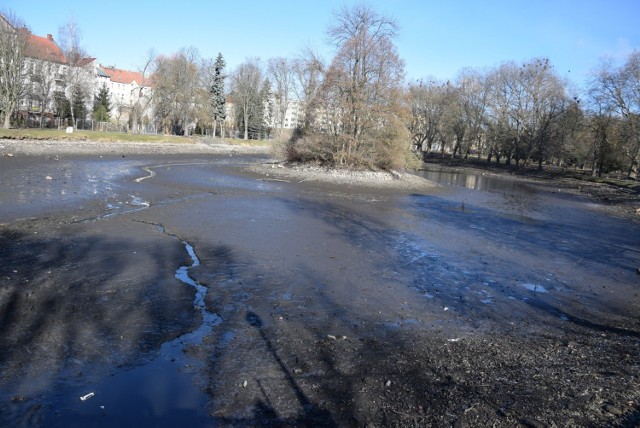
(437, 38)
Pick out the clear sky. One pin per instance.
(437, 37)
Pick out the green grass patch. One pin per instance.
(98, 136)
(79, 135)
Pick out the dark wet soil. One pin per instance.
(338, 305)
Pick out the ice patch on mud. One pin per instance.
(536, 288)
(209, 319)
(138, 202)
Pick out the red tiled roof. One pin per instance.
(43, 48)
(123, 76)
(85, 61)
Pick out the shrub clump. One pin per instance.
(387, 148)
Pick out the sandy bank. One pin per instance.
(312, 173)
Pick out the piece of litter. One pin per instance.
(244, 384)
(102, 407)
(446, 308)
(388, 384)
(455, 339)
(86, 397)
(48, 177)
(331, 336)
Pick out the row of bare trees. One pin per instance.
(511, 112)
(523, 113)
(614, 116)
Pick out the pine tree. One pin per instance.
(218, 99)
(62, 105)
(78, 104)
(101, 105)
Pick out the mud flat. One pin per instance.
(326, 304)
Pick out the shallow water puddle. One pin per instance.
(167, 391)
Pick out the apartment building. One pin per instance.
(126, 88)
(46, 67)
(47, 73)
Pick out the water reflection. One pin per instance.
(480, 182)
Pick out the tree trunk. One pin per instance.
(215, 122)
(633, 168)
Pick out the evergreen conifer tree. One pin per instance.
(78, 104)
(101, 105)
(218, 99)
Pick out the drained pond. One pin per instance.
(191, 292)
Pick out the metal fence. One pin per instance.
(82, 124)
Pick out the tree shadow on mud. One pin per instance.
(75, 309)
(594, 326)
(401, 377)
(264, 412)
(467, 283)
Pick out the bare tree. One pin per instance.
(281, 72)
(78, 75)
(143, 95)
(526, 105)
(602, 127)
(13, 43)
(43, 82)
(177, 84)
(620, 88)
(246, 86)
(428, 106)
(363, 84)
(474, 89)
(367, 63)
(549, 101)
(308, 71)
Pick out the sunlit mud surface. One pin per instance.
(184, 291)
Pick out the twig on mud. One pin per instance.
(470, 408)
(403, 414)
(274, 179)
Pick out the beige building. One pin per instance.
(128, 91)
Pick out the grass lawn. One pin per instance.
(78, 135)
